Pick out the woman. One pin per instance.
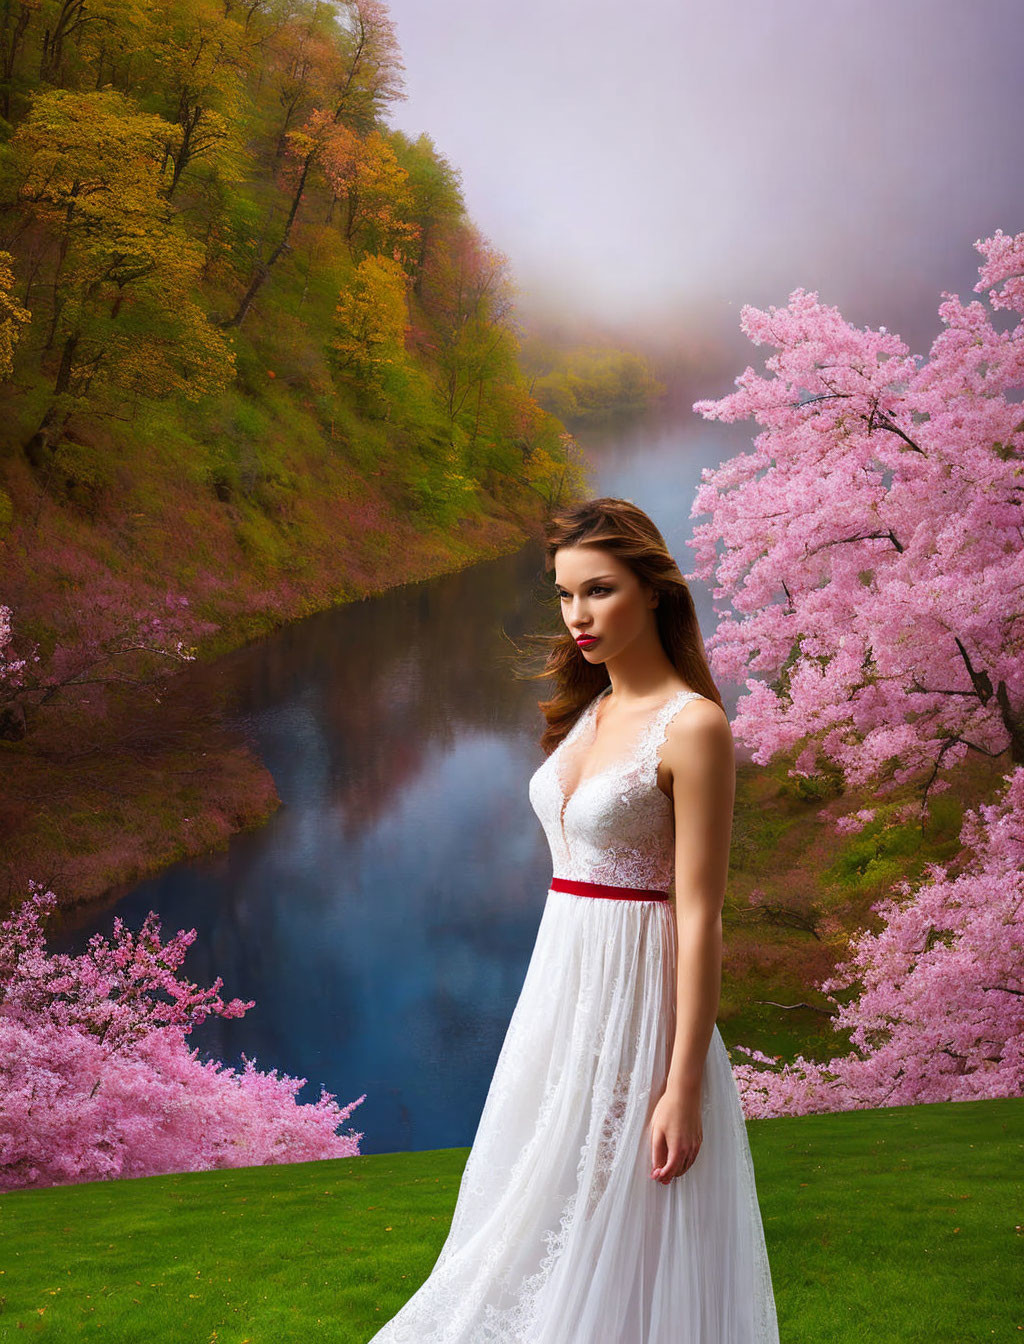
(609, 1195)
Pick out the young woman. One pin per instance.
(609, 1196)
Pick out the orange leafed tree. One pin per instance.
(362, 75)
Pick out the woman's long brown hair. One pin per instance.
(618, 526)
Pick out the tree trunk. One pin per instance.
(263, 269)
(51, 427)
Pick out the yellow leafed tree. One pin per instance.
(12, 315)
(371, 318)
(123, 273)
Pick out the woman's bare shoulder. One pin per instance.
(698, 737)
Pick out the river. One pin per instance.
(383, 918)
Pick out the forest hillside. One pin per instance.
(249, 333)
(255, 360)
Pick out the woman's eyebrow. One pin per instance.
(593, 580)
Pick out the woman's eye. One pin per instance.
(598, 588)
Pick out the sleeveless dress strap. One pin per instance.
(653, 736)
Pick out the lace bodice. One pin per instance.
(615, 826)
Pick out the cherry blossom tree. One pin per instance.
(116, 644)
(98, 1080)
(938, 1006)
(870, 545)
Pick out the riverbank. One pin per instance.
(111, 787)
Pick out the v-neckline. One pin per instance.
(586, 718)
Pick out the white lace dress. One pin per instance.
(559, 1234)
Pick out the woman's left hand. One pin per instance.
(676, 1135)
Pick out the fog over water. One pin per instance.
(663, 163)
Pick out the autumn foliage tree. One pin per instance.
(371, 320)
(83, 35)
(378, 201)
(436, 199)
(12, 315)
(470, 293)
(120, 273)
(203, 50)
(361, 74)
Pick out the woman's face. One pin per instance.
(601, 598)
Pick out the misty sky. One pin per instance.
(671, 159)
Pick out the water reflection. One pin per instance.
(383, 918)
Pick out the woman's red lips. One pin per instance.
(586, 640)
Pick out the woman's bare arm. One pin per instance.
(700, 753)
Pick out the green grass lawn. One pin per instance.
(890, 1226)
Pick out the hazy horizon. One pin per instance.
(657, 168)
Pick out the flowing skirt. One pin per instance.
(559, 1234)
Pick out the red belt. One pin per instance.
(601, 889)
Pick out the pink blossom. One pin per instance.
(870, 542)
(870, 545)
(97, 1077)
